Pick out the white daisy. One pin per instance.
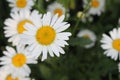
(47, 36)
(18, 5)
(6, 75)
(56, 8)
(96, 6)
(17, 61)
(15, 25)
(111, 44)
(89, 35)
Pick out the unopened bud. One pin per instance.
(80, 14)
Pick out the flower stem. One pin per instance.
(110, 76)
(78, 21)
(39, 7)
(119, 69)
(119, 76)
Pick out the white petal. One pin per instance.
(47, 19)
(58, 22)
(44, 55)
(63, 27)
(54, 19)
(55, 50)
(11, 50)
(50, 51)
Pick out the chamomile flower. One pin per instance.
(18, 5)
(111, 44)
(15, 25)
(47, 36)
(5, 74)
(17, 61)
(88, 34)
(96, 6)
(56, 8)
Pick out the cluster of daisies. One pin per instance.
(36, 36)
(32, 35)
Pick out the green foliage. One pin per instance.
(79, 41)
(78, 63)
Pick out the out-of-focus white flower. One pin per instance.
(18, 5)
(89, 35)
(96, 6)
(56, 8)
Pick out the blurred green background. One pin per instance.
(78, 63)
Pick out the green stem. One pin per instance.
(75, 28)
(78, 21)
(119, 76)
(110, 76)
(118, 69)
(39, 7)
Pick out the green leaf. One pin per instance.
(79, 41)
(45, 71)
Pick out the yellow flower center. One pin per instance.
(21, 3)
(9, 77)
(45, 35)
(86, 36)
(19, 60)
(116, 44)
(21, 24)
(58, 11)
(95, 3)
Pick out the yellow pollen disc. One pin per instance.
(58, 11)
(9, 77)
(21, 3)
(86, 36)
(95, 3)
(116, 44)
(19, 60)
(45, 35)
(21, 24)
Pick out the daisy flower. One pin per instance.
(111, 44)
(88, 34)
(15, 25)
(96, 6)
(56, 8)
(6, 75)
(17, 61)
(18, 5)
(47, 36)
